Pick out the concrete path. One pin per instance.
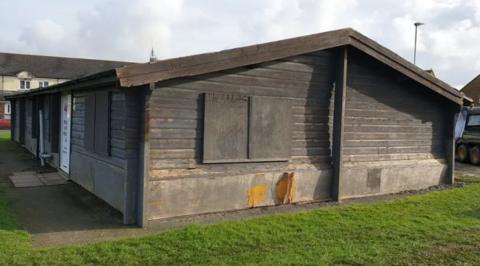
(464, 169)
(59, 214)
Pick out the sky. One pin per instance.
(126, 30)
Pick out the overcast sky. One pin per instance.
(127, 29)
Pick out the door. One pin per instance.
(65, 125)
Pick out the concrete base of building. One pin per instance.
(206, 194)
(385, 177)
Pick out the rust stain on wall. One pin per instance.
(257, 195)
(285, 188)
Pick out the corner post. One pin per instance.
(450, 146)
(338, 122)
(144, 173)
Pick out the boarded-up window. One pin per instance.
(245, 128)
(97, 121)
(226, 128)
(269, 129)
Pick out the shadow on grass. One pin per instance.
(473, 213)
(468, 179)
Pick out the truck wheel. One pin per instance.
(475, 155)
(462, 153)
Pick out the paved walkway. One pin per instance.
(58, 214)
(464, 169)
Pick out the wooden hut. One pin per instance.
(328, 116)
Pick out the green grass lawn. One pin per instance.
(4, 135)
(436, 228)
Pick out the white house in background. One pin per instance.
(21, 72)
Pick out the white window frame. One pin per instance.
(42, 84)
(25, 84)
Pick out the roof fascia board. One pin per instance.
(135, 75)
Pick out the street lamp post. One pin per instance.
(416, 24)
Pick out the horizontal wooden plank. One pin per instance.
(311, 159)
(390, 128)
(175, 144)
(427, 116)
(302, 135)
(172, 164)
(391, 157)
(270, 83)
(222, 87)
(391, 136)
(322, 119)
(169, 133)
(303, 110)
(393, 143)
(174, 154)
(392, 150)
(392, 121)
(175, 123)
(177, 103)
(165, 112)
(298, 66)
(305, 143)
(316, 80)
(175, 93)
(311, 151)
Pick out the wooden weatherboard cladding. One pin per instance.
(240, 128)
(54, 122)
(97, 117)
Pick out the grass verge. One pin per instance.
(436, 228)
(4, 135)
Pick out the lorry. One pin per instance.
(467, 135)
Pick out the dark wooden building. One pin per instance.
(328, 116)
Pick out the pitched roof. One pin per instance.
(474, 84)
(53, 67)
(140, 74)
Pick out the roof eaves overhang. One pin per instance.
(140, 74)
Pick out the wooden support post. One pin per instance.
(450, 145)
(338, 122)
(144, 159)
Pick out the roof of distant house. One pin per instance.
(53, 67)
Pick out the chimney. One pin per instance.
(153, 57)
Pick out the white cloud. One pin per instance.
(126, 30)
(44, 33)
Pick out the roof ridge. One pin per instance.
(63, 57)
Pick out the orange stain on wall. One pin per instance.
(285, 189)
(257, 195)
